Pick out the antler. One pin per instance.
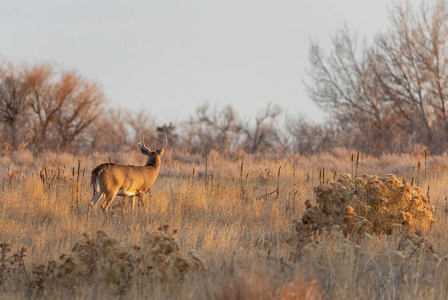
(165, 141)
(141, 143)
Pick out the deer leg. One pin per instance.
(132, 204)
(142, 197)
(110, 195)
(92, 203)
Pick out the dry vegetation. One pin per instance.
(228, 229)
(368, 204)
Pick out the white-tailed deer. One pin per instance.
(127, 181)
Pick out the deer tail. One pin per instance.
(95, 179)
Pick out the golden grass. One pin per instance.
(233, 217)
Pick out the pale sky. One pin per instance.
(170, 56)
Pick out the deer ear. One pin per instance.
(161, 151)
(145, 152)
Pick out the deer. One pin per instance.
(128, 181)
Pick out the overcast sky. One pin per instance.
(170, 56)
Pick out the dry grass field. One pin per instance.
(221, 227)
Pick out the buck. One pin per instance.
(113, 180)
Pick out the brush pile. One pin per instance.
(101, 262)
(367, 204)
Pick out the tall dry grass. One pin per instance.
(237, 213)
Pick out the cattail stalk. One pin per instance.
(357, 164)
(278, 181)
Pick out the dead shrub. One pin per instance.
(367, 204)
(12, 268)
(102, 261)
(164, 257)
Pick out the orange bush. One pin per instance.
(368, 204)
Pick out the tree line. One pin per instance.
(389, 94)
(42, 107)
(46, 108)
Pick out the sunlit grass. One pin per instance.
(233, 217)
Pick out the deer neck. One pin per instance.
(153, 162)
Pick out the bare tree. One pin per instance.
(81, 103)
(215, 129)
(344, 85)
(108, 132)
(13, 103)
(263, 135)
(43, 106)
(411, 68)
(63, 105)
(139, 123)
(223, 130)
(308, 137)
(391, 94)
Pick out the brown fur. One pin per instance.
(123, 180)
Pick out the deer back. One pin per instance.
(128, 178)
